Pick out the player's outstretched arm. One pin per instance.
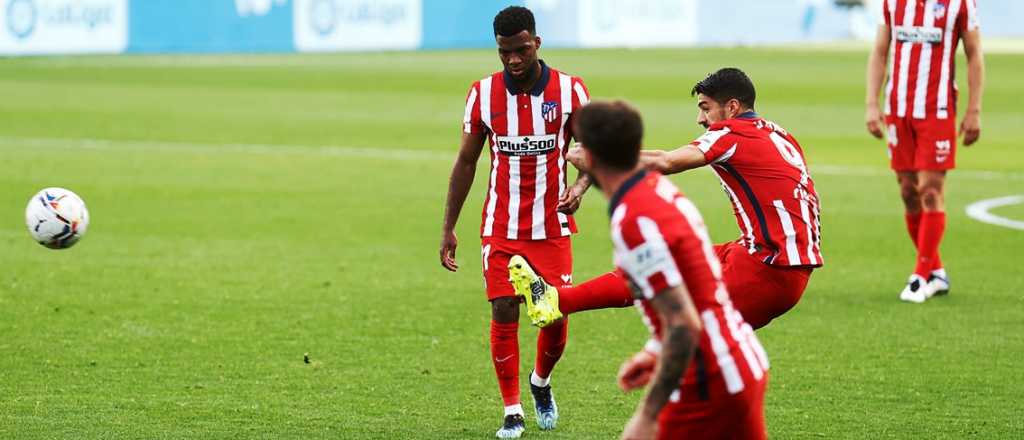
(680, 335)
(459, 184)
(675, 161)
(875, 76)
(971, 125)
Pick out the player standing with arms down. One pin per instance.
(920, 116)
(524, 112)
(764, 174)
(662, 246)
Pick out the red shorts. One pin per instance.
(551, 258)
(922, 144)
(723, 416)
(761, 292)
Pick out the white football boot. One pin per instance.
(917, 290)
(938, 282)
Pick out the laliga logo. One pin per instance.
(325, 15)
(21, 18)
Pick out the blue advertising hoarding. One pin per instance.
(210, 26)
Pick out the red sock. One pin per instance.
(505, 355)
(606, 291)
(550, 345)
(933, 225)
(914, 228)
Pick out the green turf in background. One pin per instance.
(209, 270)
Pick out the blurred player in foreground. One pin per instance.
(920, 116)
(662, 247)
(525, 112)
(764, 174)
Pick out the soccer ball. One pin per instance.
(56, 218)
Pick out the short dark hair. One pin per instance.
(513, 20)
(612, 131)
(725, 84)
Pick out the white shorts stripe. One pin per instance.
(901, 88)
(924, 65)
(787, 228)
(733, 380)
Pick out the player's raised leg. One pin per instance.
(545, 304)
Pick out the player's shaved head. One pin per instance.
(725, 85)
(612, 131)
(513, 20)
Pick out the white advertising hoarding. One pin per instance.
(63, 26)
(647, 23)
(329, 25)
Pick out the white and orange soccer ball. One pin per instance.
(56, 218)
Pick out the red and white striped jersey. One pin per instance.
(661, 242)
(925, 35)
(529, 133)
(763, 171)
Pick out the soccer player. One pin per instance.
(524, 113)
(662, 247)
(920, 116)
(764, 174)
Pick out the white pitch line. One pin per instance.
(980, 211)
(409, 154)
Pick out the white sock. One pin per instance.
(940, 272)
(539, 381)
(514, 409)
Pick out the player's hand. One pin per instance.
(570, 200)
(448, 244)
(874, 121)
(640, 428)
(971, 127)
(575, 157)
(637, 371)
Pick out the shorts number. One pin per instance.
(484, 253)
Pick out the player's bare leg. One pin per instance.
(505, 355)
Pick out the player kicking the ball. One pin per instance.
(524, 112)
(764, 174)
(920, 116)
(706, 368)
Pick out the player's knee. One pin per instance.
(931, 198)
(505, 309)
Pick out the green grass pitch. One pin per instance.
(247, 210)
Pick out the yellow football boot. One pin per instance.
(541, 297)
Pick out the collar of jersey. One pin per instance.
(538, 88)
(626, 186)
(748, 115)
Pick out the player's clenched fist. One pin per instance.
(637, 371)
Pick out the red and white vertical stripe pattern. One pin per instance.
(661, 242)
(925, 35)
(523, 189)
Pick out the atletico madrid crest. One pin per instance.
(939, 10)
(549, 109)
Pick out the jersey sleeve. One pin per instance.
(716, 145)
(644, 254)
(471, 121)
(580, 94)
(968, 19)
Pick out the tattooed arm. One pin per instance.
(680, 335)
